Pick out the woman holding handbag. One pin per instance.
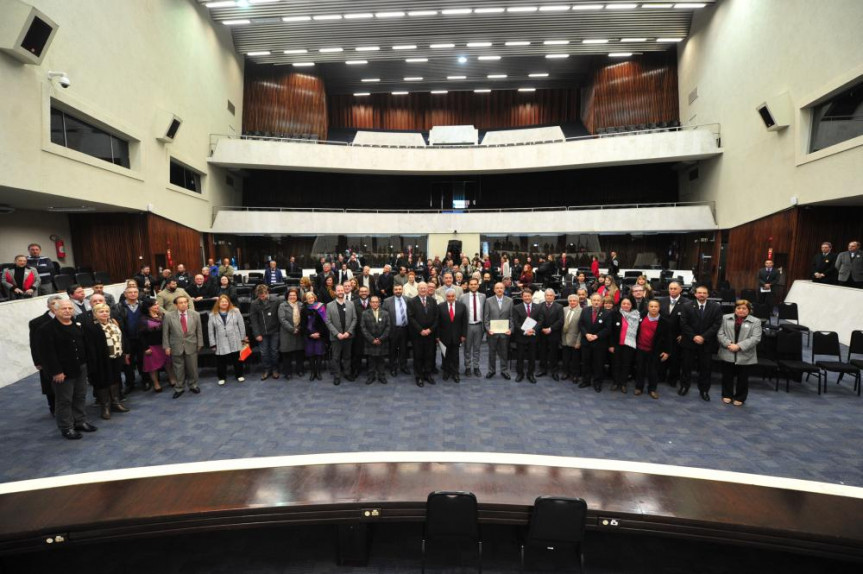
(227, 332)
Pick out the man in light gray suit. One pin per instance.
(850, 266)
(475, 303)
(182, 338)
(342, 323)
(498, 308)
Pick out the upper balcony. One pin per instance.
(687, 143)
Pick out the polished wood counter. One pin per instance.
(690, 508)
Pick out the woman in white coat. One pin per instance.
(227, 336)
(739, 335)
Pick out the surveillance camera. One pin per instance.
(61, 78)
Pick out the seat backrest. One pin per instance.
(749, 295)
(557, 519)
(62, 282)
(825, 343)
(205, 329)
(767, 347)
(788, 311)
(452, 513)
(102, 277)
(761, 310)
(856, 346)
(789, 345)
(728, 295)
(68, 271)
(84, 279)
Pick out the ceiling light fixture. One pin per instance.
(482, 91)
(356, 62)
(554, 8)
(400, 93)
(489, 58)
(227, 4)
(298, 51)
(423, 13)
(361, 94)
(633, 39)
(236, 22)
(657, 6)
(367, 48)
(328, 17)
(496, 76)
(413, 79)
(390, 14)
(439, 46)
(478, 44)
(262, 53)
(556, 56)
(330, 50)
(462, 60)
(456, 11)
(620, 54)
(522, 9)
(690, 5)
(303, 64)
(556, 42)
(621, 6)
(527, 89)
(538, 75)
(456, 77)
(416, 60)
(439, 91)
(596, 41)
(253, 2)
(405, 47)
(296, 18)
(517, 43)
(588, 7)
(488, 10)
(669, 40)
(370, 80)
(360, 16)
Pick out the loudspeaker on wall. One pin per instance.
(25, 32)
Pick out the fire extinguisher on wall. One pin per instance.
(60, 246)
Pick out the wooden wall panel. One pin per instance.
(642, 90)
(284, 102)
(120, 243)
(748, 244)
(815, 225)
(422, 111)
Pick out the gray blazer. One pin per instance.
(750, 335)
(480, 310)
(288, 340)
(334, 321)
(848, 267)
(494, 313)
(571, 335)
(379, 329)
(173, 337)
(227, 337)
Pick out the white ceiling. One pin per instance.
(328, 25)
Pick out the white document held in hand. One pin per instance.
(528, 324)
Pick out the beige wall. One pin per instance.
(439, 241)
(19, 229)
(127, 61)
(738, 55)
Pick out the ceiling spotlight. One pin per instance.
(303, 64)
(361, 94)
(556, 56)
(482, 91)
(439, 91)
(356, 62)
(360, 16)
(262, 53)
(490, 58)
(518, 43)
(299, 51)
(462, 59)
(296, 18)
(416, 60)
(620, 54)
(488, 10)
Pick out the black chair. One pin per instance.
(749, 294)
(767, 352)
(452, 515)
(255, 278)
(68, 271)
(102, 277)
(84, 279)
(557, 521)
(789, 349)
(788, 312)
(826, 343)
(856, 348)
(762, 312)
(63, 281)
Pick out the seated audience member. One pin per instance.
(227, 288)
(486, 262)
(183, 277)
(824, 265)
(571, 340)
(227, 333)
(639, 299)
(107, 351)
(849, 266)
(609, 289)
(264, 320)
(526, 278)
(644, 282)
(465, 266)
(200, 289)
(155, 359)
(401, 277)
(595, 328)
(653, 347)
(622, 343)
(272, 274)
(169, 294)
(44, 268)
(225, 269)
(409, 289)
(182, 338)
(738, 336)
(213, 267)
(36, 347)
(508, 289)
(291, 343)
(99, 289)
(375, 331)
(146, 282)
(78, 297)
(322, 277)
(459, 281)
(63, 354)
(313, 320)
(21, 281)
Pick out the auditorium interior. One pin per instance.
(694, 140)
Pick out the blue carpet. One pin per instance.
(799, 435)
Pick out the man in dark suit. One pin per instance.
(595, 327)
(385, 282)
(768, 276)
(671, 308)
(517, 268)
(549, 335)
(563, 263)
(451, 333)
(824, 265)
(358, 351)
(423, 318)
(35, 348)
(699, 324)
(525, 340)
(397, 307)
(613, 265)
(293, 267)
(366, 279)
(375, 323)
(639, 301)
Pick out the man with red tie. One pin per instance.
(182, 338)
(451, 332)
(525, 339)
(595, 328)
(474, 302)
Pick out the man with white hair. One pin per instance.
(550, 335)
(35, 325)
(423, 317)
(451, 333)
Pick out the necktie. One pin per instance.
(451, 313)
(365, 303)
(548, 306)
(594, 315)
(701, 310)
(400, 305)
(474, 308)
(528, 309)
(183, 323)
(424, 302)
